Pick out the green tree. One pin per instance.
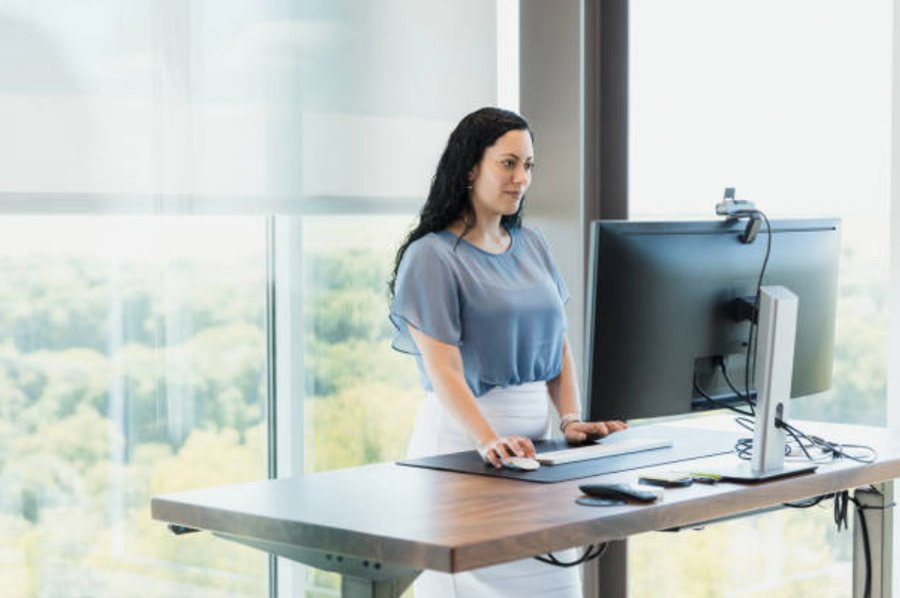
(367, 423)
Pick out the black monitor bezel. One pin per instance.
(720, 232)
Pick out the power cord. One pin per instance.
(800, 441)
(731, 385)
(751, 340)
(736, 210)
(718, 402)
(842, 502)
(864, 528)
(860, 453)
(593, 551)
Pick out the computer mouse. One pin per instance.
(520, 463)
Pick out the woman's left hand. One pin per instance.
(577, 432)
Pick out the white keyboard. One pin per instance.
(609, 448)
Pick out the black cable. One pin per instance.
(812, 502)
(744, 446)
(793, 432)
(864, 528)
(731, 385)
(841, 501)
(593, 551)
(745, 422)
(867, 551)
(751, 347)
(841, 505)
(838, 452)
(834, 449)
(590, 553)
(717, 402)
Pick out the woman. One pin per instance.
(479, 301)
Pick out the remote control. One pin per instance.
(618, 492)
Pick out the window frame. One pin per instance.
(606, 81)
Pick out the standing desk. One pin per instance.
(379, 525)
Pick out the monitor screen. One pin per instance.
(661, 310)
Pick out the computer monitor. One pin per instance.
(661, 303)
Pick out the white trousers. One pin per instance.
(517, 410)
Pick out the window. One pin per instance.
(362, 395)
(725, 94)
(132, 363)
(146, 147)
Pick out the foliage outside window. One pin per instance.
(126, 372)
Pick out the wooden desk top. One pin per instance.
(428, 519)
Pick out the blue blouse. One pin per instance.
(504, 311)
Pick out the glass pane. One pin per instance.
(362, 395)
(724, 94)
(786, 554)
(372, 105)
(798, 129)
(132, 363)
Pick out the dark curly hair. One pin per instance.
(448, 199)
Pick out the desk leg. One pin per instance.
(879, 525)
(358, 587)
(610, 579)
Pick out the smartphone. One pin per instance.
(667, 479)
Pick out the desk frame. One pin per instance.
(450, 521)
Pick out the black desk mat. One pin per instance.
(687, 443)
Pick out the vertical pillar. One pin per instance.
(573, 77)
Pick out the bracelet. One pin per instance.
(569, 418)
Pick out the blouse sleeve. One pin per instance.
(561, 287)
(425, 297)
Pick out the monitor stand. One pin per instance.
(744, 472)
(774, 366)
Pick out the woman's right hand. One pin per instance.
(577, 432)
(502, 447)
